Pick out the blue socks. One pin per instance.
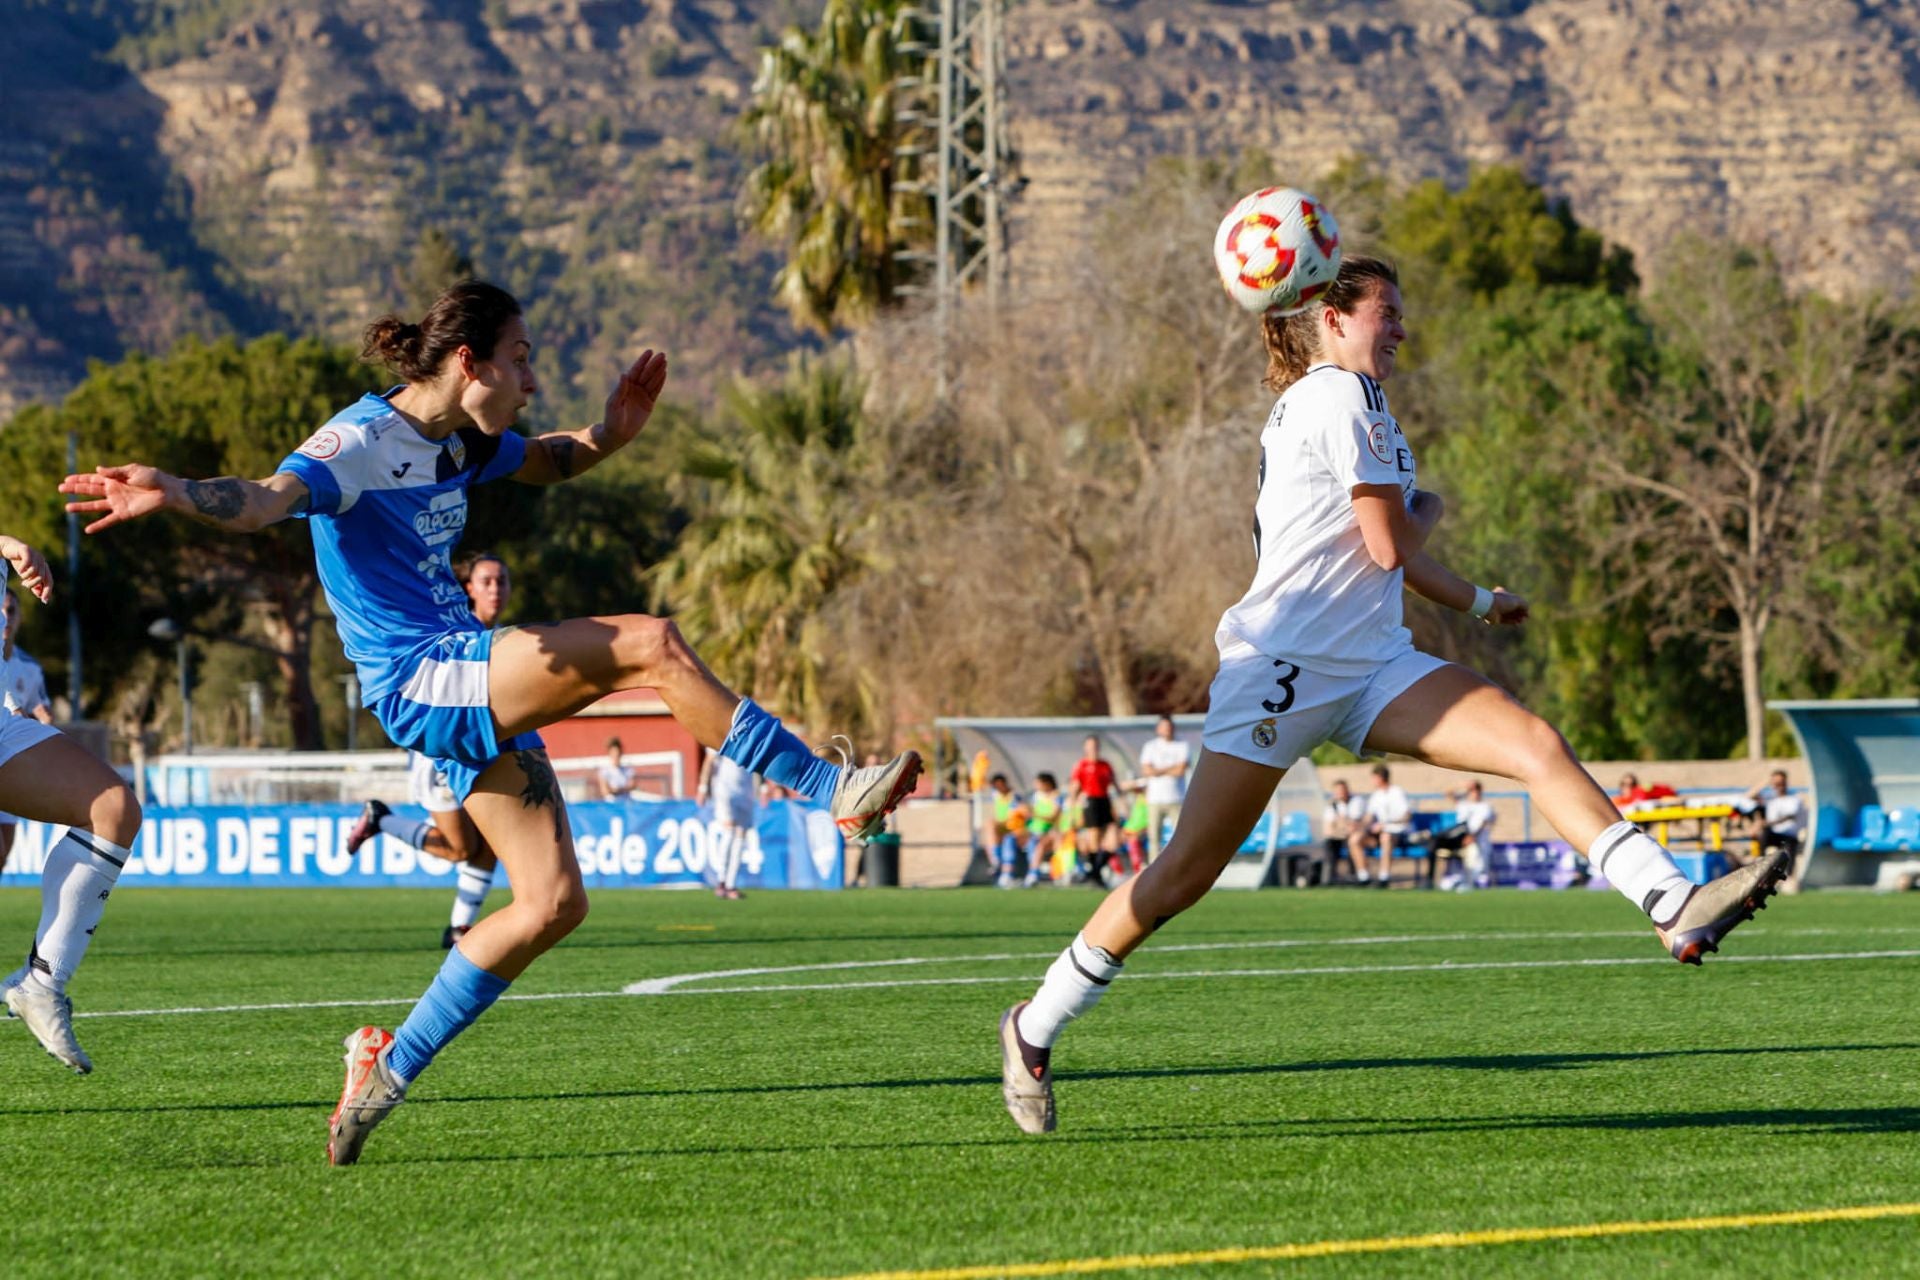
(461, 992)
(760, 744)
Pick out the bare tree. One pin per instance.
(1748, 451)
(1086, 484)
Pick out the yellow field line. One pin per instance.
(1395, 1244)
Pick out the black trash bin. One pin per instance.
(882, 858)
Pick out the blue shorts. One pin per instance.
(442, 712)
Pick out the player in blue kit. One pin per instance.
(384, 484)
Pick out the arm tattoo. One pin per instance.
(561, 451)
(217, 499)
(542, 787)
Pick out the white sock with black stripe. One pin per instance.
(81, 870)
(1073, 985)
(1634, 863)
(469, 891)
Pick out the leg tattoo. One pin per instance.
(542, 787)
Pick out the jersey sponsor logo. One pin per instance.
(1379, 442)
(444, 518)
(1264, 734)
(401, 472)
(322, 444)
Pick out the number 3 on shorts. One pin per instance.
(1286, 686)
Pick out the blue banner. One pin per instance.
(621, 844)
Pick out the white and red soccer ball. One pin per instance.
(1276, 251)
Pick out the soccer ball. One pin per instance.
(1277, 251)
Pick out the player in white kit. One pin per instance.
(1316, 651)
(23, 692)
(45, 776)
(730, 789)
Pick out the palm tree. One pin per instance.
(833, 184)
(779, 532)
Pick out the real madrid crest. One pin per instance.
(1263, 734)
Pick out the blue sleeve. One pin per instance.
(323, 491)
(328, 464)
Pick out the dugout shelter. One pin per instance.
(1863, 756)
(1023, 747)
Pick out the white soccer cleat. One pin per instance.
(866, 795)
(1028, 1092)
(49, 1015)
(371, 1091)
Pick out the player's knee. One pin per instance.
(567, 913)
(1541, 750)
(115, 815)
(649, 644)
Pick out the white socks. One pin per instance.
(1634, 863)
(469, 891)
(1073, 985)
(411, 831)
(80, 872)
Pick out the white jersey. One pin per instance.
(23, 686)
(1477, 815)
(1787, 814)
(1160, 753)
(1388, 806)
(1318, 599)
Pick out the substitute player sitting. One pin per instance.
(448, 832)
(1316, 651)
(384, 484)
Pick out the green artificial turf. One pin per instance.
(793, 1133)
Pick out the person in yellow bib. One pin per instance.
(1043, 827)
(1010, 815)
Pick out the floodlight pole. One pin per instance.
(72, 587)
(972, 162)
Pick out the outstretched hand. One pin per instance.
(634, 396)
(124, 493)
(1509, 609)
(35, 576)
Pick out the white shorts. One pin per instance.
(427, 786)
(735, 809)
(17, 733)
(1273, 712)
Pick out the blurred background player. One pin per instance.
(1780, 813)
(1093, 787)
(613, 780)
(1472, 839)
(448, 832)
(1163, 763)
(47, 777)
(1043, 827)
(1389, 818)
(732, 792)
(23, 692)
(1343, 830)
(1010, 815)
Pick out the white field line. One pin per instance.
(673, 984)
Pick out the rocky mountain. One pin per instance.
(204, 166)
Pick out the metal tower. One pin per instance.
(966, 131)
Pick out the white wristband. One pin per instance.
(1482, 602)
